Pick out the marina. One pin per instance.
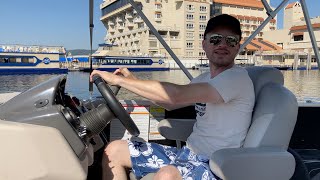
(304, 84)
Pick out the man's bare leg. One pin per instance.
(115, 161)
(168, 173)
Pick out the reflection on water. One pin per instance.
(304, 84)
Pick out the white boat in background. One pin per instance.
(25, 59)
(104, 61)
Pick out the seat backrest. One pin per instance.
(275, 111)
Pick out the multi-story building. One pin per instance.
(292, 14)
(294, 38)
(181, 23)
(294, 35)
(251, 14)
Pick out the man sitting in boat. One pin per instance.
(223, 99)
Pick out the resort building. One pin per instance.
(294, 38)
(251, 14)
(181, 23)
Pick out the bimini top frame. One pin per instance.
(271, 14)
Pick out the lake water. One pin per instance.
(304, 84)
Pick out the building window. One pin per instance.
(153, 43)
(190, 16)
(141, 25)
(158, 6)
(203, 8)
(216, 9)
(201, 36)
(202, 26)
(298, 38)
(190, 36)
(190, 7)
(202, 54)
(190, 26)
(158, 16)
(189, 44)
(203, 18)
(190, 53)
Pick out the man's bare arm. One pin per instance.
(168, 95)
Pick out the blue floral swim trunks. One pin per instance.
(150, 157)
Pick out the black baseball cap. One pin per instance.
(224, 20)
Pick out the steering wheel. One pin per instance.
(116, 106)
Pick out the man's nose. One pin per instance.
(223, 43)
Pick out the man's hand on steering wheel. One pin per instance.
(111, 100)
(108, 77)
(124, 72)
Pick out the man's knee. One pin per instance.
(117, 151)
(167, 173)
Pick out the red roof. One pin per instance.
(246, 3)
(250, 47)
(297, 34)
(290, 5)
(264, 45)
(316, 25)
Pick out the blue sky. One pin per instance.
(66, 22)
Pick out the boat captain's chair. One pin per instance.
(264, 153)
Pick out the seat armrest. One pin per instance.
(176, 129)
(252, 163)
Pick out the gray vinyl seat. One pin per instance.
(264, 153)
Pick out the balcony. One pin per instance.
(111, 30)
(129, 16)
(111, 23)
(157, 19)
(164, 36)
(137, 20)
(120, 27)
(130, 24)
(152, 48)
(119, 20)
(135, 39)
(106, 3)
(151, 37)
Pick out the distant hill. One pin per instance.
(75, 52)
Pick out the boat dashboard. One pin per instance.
(47, 104)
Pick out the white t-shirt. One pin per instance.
(223, 125)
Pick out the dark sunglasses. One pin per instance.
(216, 39)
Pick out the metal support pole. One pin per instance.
(265, 22)
(91, 2)
(164, 44)
(310, 29)
(267, 7)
